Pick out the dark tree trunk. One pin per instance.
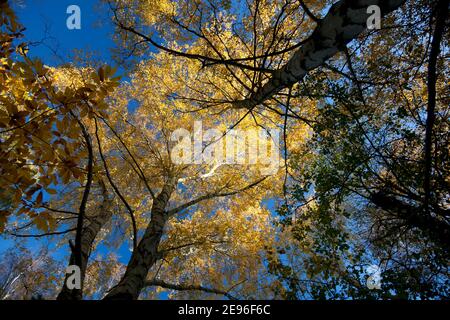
(146, 253)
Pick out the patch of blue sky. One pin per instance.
(52, 41)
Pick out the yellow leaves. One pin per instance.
(68, 170)
(45, 222)
(51, 191)
(4, 118)
(17, 196)
(39, 68)
(60, 125)
(153, 11)
(12, 109)
(238, 231)
(83, 87)
(3, 219)
(69, 76)
(299, 133)
(101, 74)
(105, 75)
(39, 134)
(4, 64)
(216, 248)
(8, 17)
(39, 198)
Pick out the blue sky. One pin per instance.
(45, 20)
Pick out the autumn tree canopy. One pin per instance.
(263, 149)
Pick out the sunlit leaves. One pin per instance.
(38, 128)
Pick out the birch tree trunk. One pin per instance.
(146, 253)
(344, 21)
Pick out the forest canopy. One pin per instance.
(230, 149)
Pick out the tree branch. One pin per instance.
(308, 12)
(212, 195)
(184, 287)
(345, 20)
(87, 189)
(141, 173)
(41, 234)
(116, 190)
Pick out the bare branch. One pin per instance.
(116, 190)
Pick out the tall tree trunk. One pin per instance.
(441, 12)
(88, 236)
(146, 253)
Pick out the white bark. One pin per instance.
(90, 232)
(344, 21)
